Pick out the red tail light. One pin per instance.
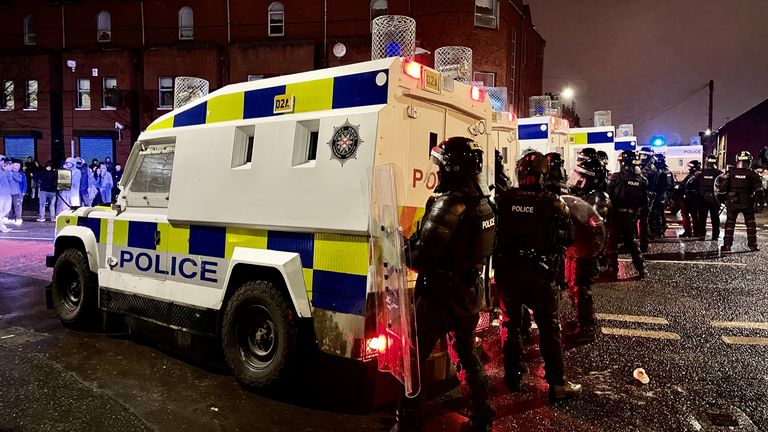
(477, 94)
(412, 69)
(378, 344)
(510, 117)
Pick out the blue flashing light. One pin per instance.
(658, 141)
(393, 49)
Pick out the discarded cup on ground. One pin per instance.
(641, 376)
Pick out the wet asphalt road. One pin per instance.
(57, 379)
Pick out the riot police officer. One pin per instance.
(663, 184)
(704, 183)
(533, 229)
(649, 171)
(587, 181)
(556, 178)
(448, 252)
(628, 191)
(690, 210)
(741, 189)
(603, 157)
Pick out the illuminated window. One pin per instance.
(109, 93)
(6, 101)
(486, 13)
(30, 37)
(30, 95)
(103, 27)
(276, 18)
(83, 93)
(166, 92)
(186, 23)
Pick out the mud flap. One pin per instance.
(395, 311)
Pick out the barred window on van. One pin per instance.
(154, 174)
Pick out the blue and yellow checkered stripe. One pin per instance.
(346, 91)
(585, 138)
(335, 266)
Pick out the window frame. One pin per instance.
(142, 199)
(104, 89)
(30, 35)
(371, 9)
(160, 92)
(103, 27)
(30, 103)
(80, 92)
(275, 8)
(8, 101)
(494, 16)
(191, 27)
(304, 152)
(485, 83)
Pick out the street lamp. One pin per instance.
(567, 93)
(708, 132)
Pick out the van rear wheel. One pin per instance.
(74, 289)
(259, 335)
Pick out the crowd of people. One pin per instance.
(37, 184)
(552, 232)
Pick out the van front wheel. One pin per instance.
(74, 289)
(259, 335)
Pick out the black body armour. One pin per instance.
(457, 234)
(600, 201)
(556, 187)
(664, 182)
(529, 223)
(627, 191)
(706, 180)
(741, 185)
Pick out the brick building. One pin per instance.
(87, 76)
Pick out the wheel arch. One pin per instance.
(80, 238)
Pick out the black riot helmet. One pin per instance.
(460, 159)
(628, 160)
(743, 159)
(645, 155)
(602, 156)
(588, 175)
(711, 161)
(586, 153)
(532, 169)
(660, 161)
(556, 167)
(694, 166)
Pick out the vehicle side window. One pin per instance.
(152, 183)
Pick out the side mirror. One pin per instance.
(63, 180)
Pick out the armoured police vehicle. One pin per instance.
(270, 204)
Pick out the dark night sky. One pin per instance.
(649, 61)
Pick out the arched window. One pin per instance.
(30, 37)
(276, 19)
(378, 8)
(103, 27)
(186, 23)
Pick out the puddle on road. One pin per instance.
(17, 336)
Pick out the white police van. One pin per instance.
(269, 204)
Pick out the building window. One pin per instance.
(103, 27)
(255, 77)
(30, 95)
(486, 13)
(30, 36)
(6, 102)
(276, 19)
(166, 92)
(109, 93)
(83, 93)
(487, 78)
(378, 8)
(186, 23)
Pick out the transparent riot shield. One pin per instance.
(395, 312)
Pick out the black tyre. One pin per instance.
(259, 335)
(74, 290)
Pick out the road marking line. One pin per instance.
(740, 340)
(632, 318)
(7, 336)
(25, 238)
(690, 262)
(740, 324)
(640, 333)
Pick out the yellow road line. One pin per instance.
(740, 324)
(739, 340)
(640, 333)
(632, 318)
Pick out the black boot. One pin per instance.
(564, 390)
(477, 392)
